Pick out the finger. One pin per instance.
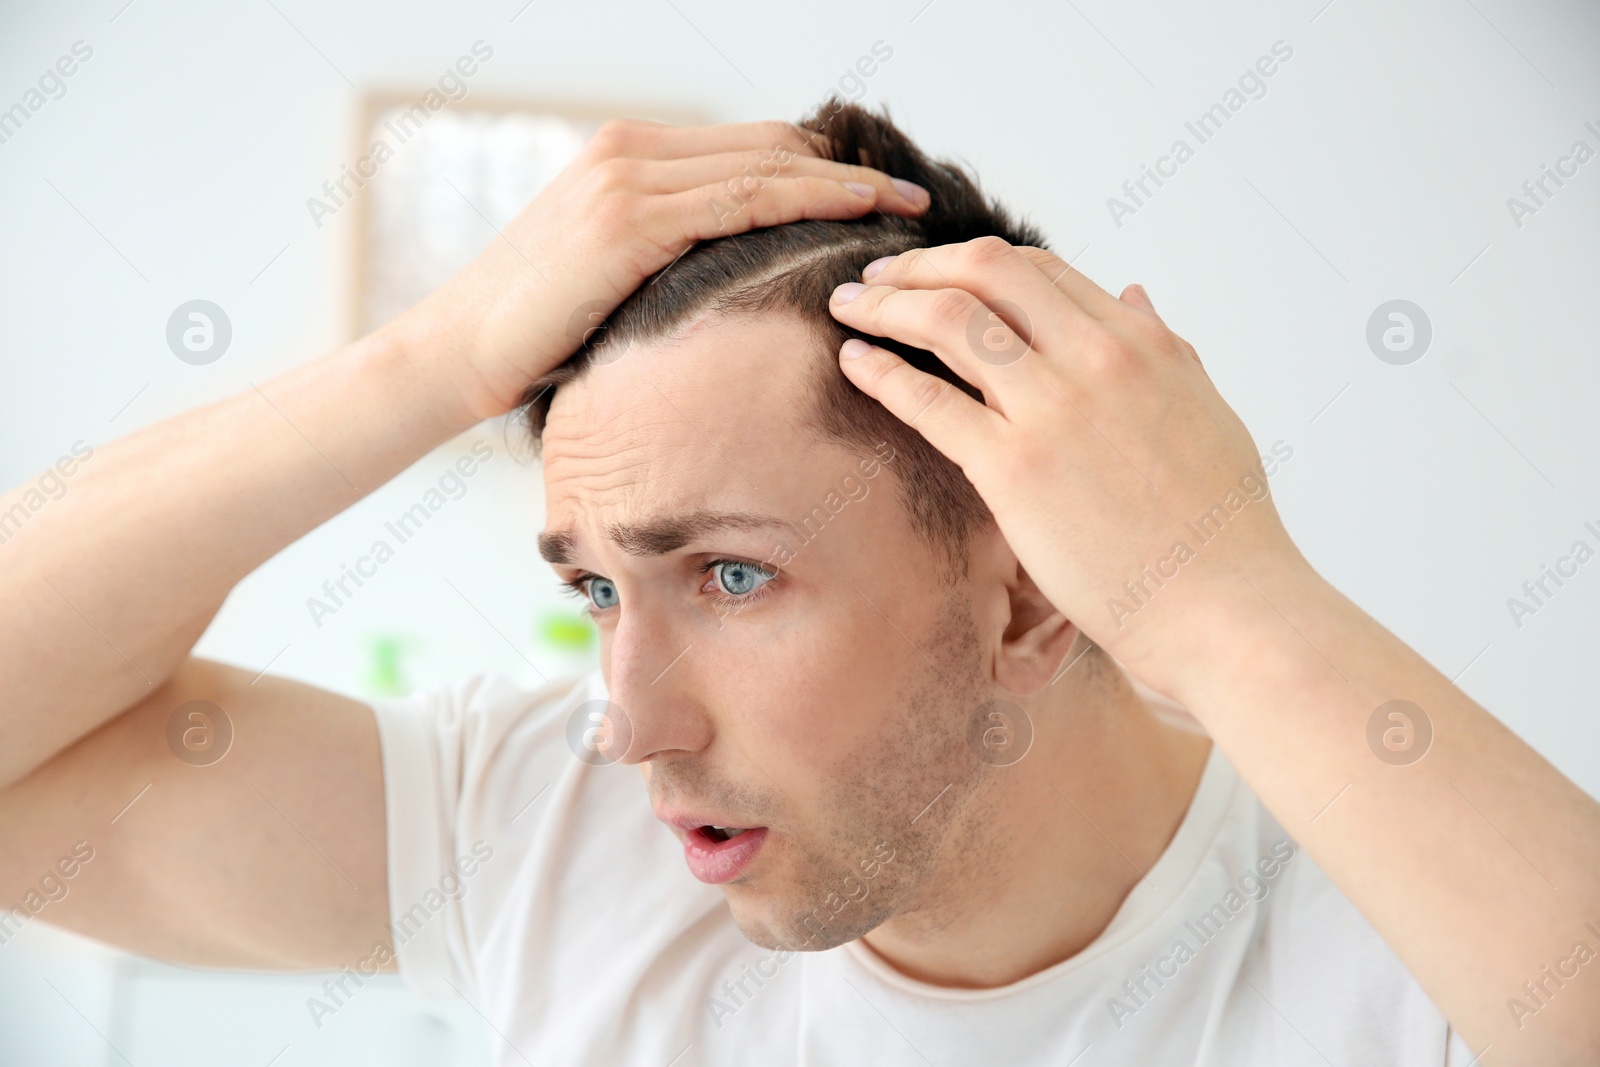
(1134, 294)
(965, 333)
(642, 139)
(953, 422)
(1084, 292)
(714, 211)
(742, 173)
(996, 273)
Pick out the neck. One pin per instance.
(1067, 832)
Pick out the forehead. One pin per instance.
(715, 419)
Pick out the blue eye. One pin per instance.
(740, 579)
(602, 592)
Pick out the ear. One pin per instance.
(1036, 640)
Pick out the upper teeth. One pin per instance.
(731, 831)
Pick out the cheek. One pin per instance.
(828, 689)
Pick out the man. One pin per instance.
(861, 639)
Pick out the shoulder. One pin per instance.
(456, 736)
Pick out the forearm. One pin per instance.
(1479, 862)
(107, 588)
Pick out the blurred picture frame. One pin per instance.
(434, 187)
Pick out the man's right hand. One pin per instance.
(636, 198)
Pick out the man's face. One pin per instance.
(829, 703)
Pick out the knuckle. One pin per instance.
(987, 250)
(615, 137)
(905, 267)
(864, 175)
(1109, 358)
(950, 308)
(875, 295)
(613, 174)
(923, 392)
(764, 163)
(782, 134)
(1051, 264)
(1151, 334)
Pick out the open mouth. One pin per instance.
(722, 833)
(718, 854)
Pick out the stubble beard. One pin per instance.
(906, 829)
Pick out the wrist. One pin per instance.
(1257, 621)
(429, 361)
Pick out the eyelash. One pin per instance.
(574, 587)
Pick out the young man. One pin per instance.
(857, 634)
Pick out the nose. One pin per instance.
(650, 672)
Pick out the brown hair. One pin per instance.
(795, 267)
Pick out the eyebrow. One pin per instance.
(657, 537)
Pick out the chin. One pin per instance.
(799, 930)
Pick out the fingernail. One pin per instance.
(859, 188)
(854, 348)
(871, 269)
(911, 191)
(847, 292)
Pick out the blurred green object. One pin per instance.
(566, 631)
(385, 671)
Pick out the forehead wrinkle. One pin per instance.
(657, 537)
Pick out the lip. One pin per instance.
(716, 862)
(711, 861)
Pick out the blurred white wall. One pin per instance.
(1374, 164)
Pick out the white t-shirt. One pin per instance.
(543, 890)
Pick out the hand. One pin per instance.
(635, 198)
(1100, 444)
